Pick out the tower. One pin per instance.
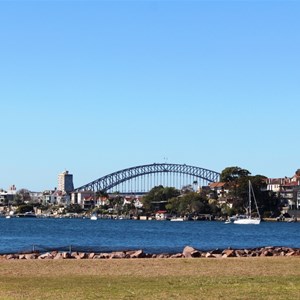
(65, 182)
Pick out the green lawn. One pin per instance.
(231, 278)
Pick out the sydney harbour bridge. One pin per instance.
(141, 179)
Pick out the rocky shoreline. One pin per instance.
(188, 252)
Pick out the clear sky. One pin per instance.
(94, 87)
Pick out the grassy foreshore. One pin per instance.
(235, 278)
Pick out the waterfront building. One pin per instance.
(7, 197)
(287, 189)
(36, 197)
(65, 182)
(80, 197)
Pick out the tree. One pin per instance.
(23, 195)
(74, 208)
(189, 204)
(24, 208)
(231, 174)
(158, 197)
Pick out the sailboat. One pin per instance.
(94, 217)
(248, 218)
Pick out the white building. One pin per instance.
(6, 197)
(81, 196)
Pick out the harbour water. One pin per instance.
(45, 234)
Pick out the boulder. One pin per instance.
(104, 255)
(10, 256)
(189, 252)
(46, 255)
(81, 255)
(216, 251)
(209, 255)
(66, 255)
(240, 253)
(31, 256)
(163, 255)
(177, 255)
(58, 256)
(118, 254)
(266, 253)
(228, 253)
(137, 254)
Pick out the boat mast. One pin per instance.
(249, 195)
(254, 199)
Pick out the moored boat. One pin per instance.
(248, 219)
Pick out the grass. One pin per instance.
(234, 278)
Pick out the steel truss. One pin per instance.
(109, 181)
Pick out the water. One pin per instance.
(21, 234)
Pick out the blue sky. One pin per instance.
(98, 86)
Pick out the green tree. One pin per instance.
(231, 174)
(189, 204)
(158, 197)
(74, 208)
(237, 179)
(24, 208)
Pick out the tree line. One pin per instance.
(187, 202)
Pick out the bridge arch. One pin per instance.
(109, 181)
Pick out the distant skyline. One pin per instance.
(94, 87)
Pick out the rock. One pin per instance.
(216, 251)
(177, 255)
(266, 253)
(10, 256)
(74, 254)
(209, 255)
(228, 253)
(91, 255)
(58, 256)
(46, 255)
(189, 252)
(80, 255)
(163, 255)
(31, 256)
(137, 254)
(83, 255)
(119, 254)
(66, 255)
(104, 255)
(240, 253)
(53, 253)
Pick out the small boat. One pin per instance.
(27, 215)
(248, 219)
(177, 219)
(94, 217)
(227, 222)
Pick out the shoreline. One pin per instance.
(188, 252)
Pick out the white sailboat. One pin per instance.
(94, 217)
(248, 218)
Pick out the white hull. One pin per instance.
(94, 218)
(177, 219)
(247, 221)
